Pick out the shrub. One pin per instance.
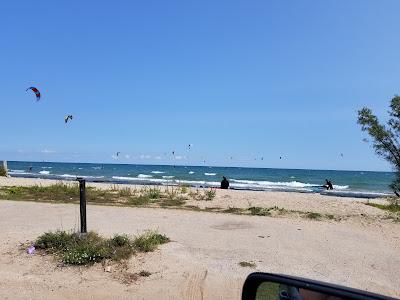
(153, 193)
(210, 194)
(249, 264)
(259, 211)
(149, 241)
(77, 249)
(313, 215)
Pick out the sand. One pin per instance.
(202, 261)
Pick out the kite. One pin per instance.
(36, 91)
(118, 153)
(67, 118)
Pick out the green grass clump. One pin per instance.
(153, 193)
(149, 241)
(232, 210)
(313, 215)
(248, 264)
(55, 241)
(389, 207)
(139, 200)
(259, 211)
(209, 194)
(78, 249)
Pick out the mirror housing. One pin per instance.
(315, 289)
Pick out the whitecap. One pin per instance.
(168, 177)
(210, 174)
(47, 167)
(157, 172)
(44, 172)
(144, 176)
(191, 172)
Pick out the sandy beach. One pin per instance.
(202, 261)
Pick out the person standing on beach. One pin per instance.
(224, 183)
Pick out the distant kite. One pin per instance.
(280, 157)
(67, 118)
(36, 91)
(341, 154)
(190, 146)
(173, 153)
(262, 158)
(118, 153)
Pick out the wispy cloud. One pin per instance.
(180, 157)
(114, 157)
(145, 156)
(127, 156)
(158, 157)
(47, 151)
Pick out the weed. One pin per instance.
(210, 194)
(149, 241)
(248, 264)
(139, 200)
(76, 249)
(389, 207)
(313, 215)
(153, 193)
(259, 211)
(144, 273)
(232, 210)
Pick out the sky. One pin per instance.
(244, 82)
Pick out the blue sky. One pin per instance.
(241, 79)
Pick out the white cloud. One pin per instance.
(158, 157)
(180, 157)
(144, 156)
(114, 157)
(127, 156)
(47, 151)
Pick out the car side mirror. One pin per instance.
(265, 286)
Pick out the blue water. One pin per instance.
(346, 183)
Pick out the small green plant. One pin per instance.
(247, 264)
(232, 210)
(210, 194)
(125, 192)
(153, 193)
(259, 211)
(144, 273)
(313, 215)
(149, 241)
(184, 188)
(139, 200)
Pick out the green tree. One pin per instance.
(385, 139)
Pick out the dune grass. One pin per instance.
(247, 264)
(76, 249)
(393, 208)
(69, 193)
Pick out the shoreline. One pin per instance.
(278, 203)
(160, 183)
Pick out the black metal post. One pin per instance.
(82, 202)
